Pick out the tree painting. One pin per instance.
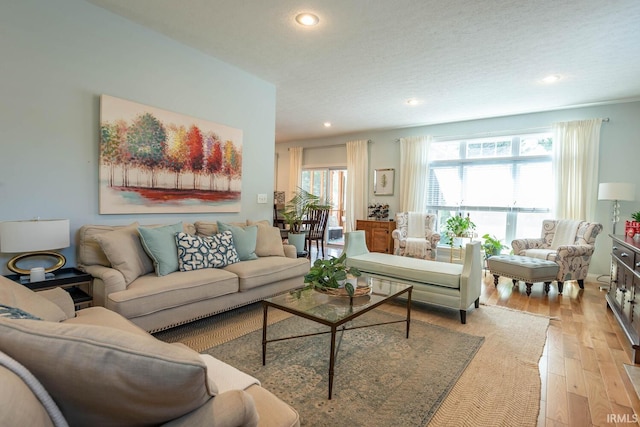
(156, 161)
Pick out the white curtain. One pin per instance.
(414, 172)
(295, 170)
(357, 182)
(575, 168)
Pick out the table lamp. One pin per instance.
(34, 238)
(616, 191)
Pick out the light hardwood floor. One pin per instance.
(584, 382)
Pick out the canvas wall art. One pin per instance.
(157, 161)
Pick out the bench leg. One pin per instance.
(477, 302)
(581, 283)
(495, 280)
(546, 287)
(528, 288)
(463, 317)
(560, 284)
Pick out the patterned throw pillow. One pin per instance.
(15, 313)
(195, 252)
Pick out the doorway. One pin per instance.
(329, 184)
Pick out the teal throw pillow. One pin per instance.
(160, 244)
(244, 239)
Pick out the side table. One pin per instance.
(78, 283)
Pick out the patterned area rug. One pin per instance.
(500, 386)
(381, 378)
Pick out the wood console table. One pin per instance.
(624, 288)
(377, 234)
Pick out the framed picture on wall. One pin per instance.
(383, 182)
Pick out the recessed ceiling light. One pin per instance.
(307, 19)
(552, 78)
(413, 101)
(327, 124)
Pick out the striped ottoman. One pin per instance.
(529, 270)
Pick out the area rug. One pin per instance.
(500, 386)
(381, 377)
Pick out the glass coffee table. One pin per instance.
(336, 311)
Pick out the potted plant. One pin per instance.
(459, 226)
(296, 211)
(492, 246)
(331, 273)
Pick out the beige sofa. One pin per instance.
(94, 367)
(126, 280)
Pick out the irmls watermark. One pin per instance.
(622, 418)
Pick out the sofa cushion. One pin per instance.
(412, 269)
(264, 270)
(209, 228)
(244, 239)
(196, 252)
(13, 294)
(125, 252)
(160, 245)
(151, 294)
(269, 240)
(89, 251)
(104, 376)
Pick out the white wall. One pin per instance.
(57, 57)
(619, 155)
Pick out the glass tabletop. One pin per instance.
(332, 309)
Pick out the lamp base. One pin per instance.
(60, 261)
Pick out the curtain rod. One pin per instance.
(494, 133)
(327, 146)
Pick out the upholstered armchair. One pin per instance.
(415, 235)
(570, 245)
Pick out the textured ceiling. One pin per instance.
(463, 59)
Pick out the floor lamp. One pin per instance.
(615, 191)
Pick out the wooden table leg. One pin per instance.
(528, 288)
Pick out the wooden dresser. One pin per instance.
(378, 234)
(623, 297)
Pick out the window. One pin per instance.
(504, 183)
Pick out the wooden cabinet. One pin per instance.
(624, 289)
(378, 234)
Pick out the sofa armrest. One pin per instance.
(106, 281)
(62, 299)
(471, 276)
(519, 245)
(229, 409)
(290, 251)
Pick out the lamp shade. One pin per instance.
(616, 191)
(34, 235)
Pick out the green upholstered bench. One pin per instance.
(440, 283)
(529, 270)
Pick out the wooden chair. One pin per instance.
(317, 220)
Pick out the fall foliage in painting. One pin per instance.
(139, 152)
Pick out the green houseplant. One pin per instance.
(636, 216)
(331, 273)
(492, 246)
(459, 226)
(296, 211)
